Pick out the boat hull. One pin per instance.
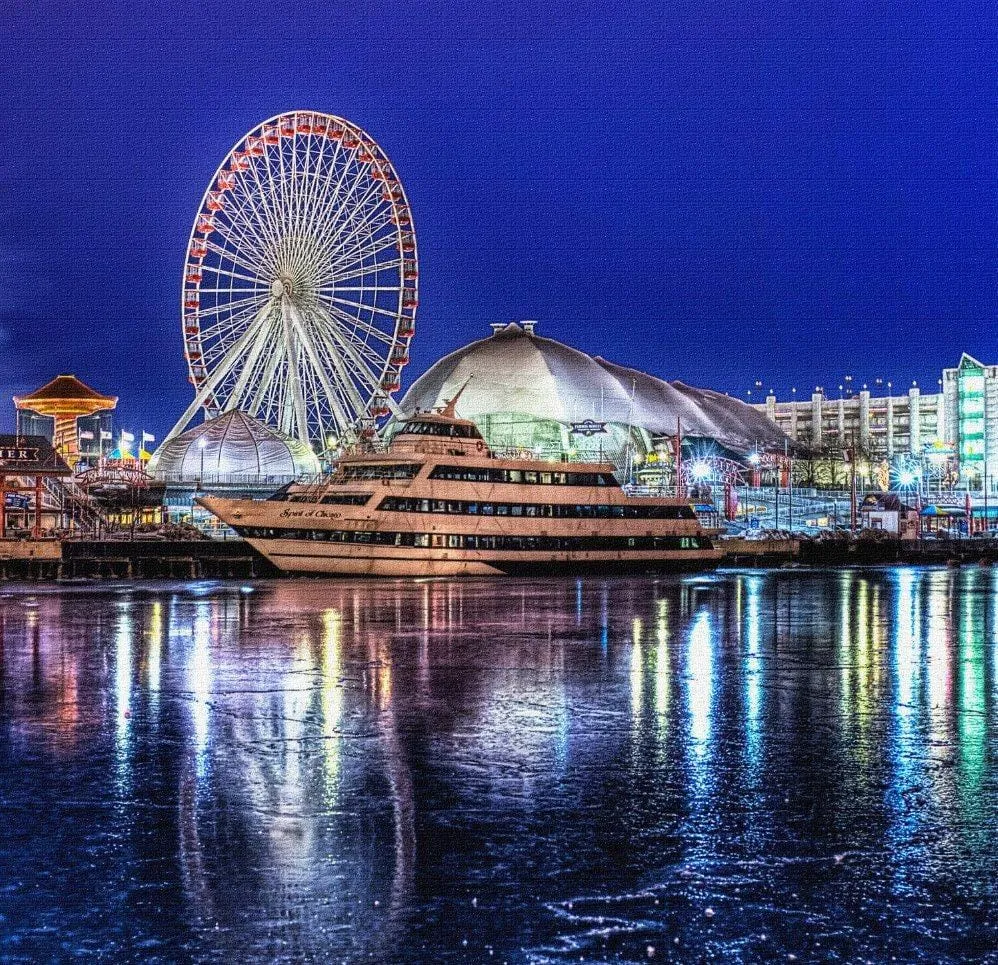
(292, 556)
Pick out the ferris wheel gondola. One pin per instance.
(300, 282)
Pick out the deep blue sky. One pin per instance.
(730, 192)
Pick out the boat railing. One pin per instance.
(225, 479)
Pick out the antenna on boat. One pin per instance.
(449, 408)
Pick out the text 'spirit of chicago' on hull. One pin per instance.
(438, 502)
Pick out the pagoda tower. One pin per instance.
(65, 399)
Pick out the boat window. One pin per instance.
(525, 476)
(374, 471)
(634, 510)
(458, 540)
(428, 427)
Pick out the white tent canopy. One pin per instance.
(515, 370)
(233, 445)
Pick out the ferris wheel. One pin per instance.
(300, 283)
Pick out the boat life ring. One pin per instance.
(479, 445)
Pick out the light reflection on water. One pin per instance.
(547, 769)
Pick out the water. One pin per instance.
(503, 770)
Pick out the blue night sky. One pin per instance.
(722, 193)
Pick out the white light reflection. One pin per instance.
(904, 756)
(200, 683)
(155, 657)
(123, 694)
(663, 679)
(907, 644)
(604, 619)
(332, 696)
(939, 654)
(753, 668)
(637, 674)
(972, 709)
(700, 681)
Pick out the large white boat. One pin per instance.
(438, 502)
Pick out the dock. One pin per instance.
(130, 559)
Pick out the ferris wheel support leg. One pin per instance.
(342, 421)
(220, 373)
(236, 400)
(289, 315)
(326, 337)
(345, 348)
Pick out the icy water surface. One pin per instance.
(743, 767)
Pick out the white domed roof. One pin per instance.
(233, 444)
(515, 370)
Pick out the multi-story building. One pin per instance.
(970, 419)
(958, 424)
(880, 427)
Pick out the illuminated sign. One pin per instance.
(18, 454)
(588, 427)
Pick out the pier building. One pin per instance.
(527, 392)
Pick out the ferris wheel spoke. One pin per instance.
(242, 290)
(364, 275)
(355, 256)
(362, 272)
(346, 345)
(354, 322)
(339, 328)
(351, 322)
(216, 377)
(369, 308)
(236, 275)
(244, 216)
(219, 338)
(364, 288)
(258, 404)
(323, 225)
(252, 211)
(243, 259)
(239, 235)
(253, 357)
(231, 306)
(266, 196)
(314, 199)
(361, 221)
(291, 320)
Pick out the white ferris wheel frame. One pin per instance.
(300, 282)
